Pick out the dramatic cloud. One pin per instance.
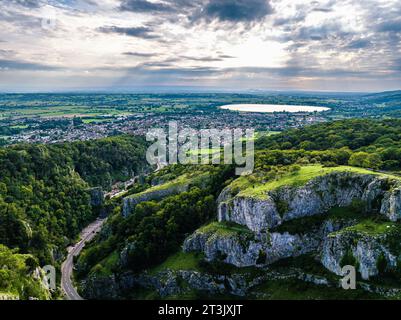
(222, 10)
(231, 44)
(144, 6)
(139, 32)
(237, 10)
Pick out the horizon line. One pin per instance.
(170, 90)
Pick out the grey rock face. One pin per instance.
(167, 283)
(237, 250)
(243, 251)
(258, 215)
(129, 203)
(100, 288)
(379, 194)
(375, 192)
(285, 245)
(96, 196)
(261, 215)
(366, 250)
(337, 189)
(125, 253)
(391, 204)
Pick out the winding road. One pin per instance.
(87, 234)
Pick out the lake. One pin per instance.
(272, 108)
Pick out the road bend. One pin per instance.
(87, 234)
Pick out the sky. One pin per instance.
(208, 45)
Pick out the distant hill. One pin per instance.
(392, 98)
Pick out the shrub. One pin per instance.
(349, 260)
(381, 263)
(261, 258)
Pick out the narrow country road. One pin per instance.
(67, 267)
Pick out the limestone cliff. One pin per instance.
(243, 248)
(363, 246)
(316, 218)
(130, 202)
(317, 196)
(96, 196)
(169, 283)
(259, 243)
(164, 189)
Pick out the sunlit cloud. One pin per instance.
(228, 44)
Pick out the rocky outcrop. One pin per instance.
(130, 202)
(261, 244)
(250, 249)
(96, 196)
(256, 214)
(391, 204)
(236, 249)
(362, 250)
(97, 287)
(125, 252)
(337, 189)
(168, 283)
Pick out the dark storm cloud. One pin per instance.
(21, 65)
(138, 32)
(237, 10)
(198, 10)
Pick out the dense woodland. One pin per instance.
(362, 143)
(44, 197)
(155, 229)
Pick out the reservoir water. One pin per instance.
(269, 108)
